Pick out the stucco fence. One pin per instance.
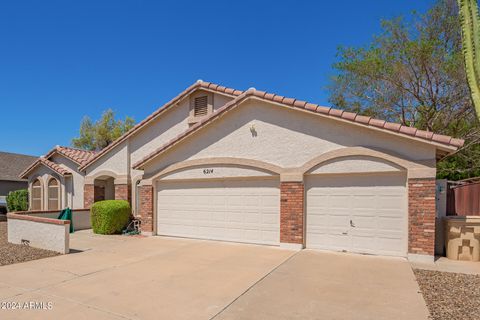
(42, 229)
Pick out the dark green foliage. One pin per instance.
(97, 135)
(413, 73)
(110, 216)
(17, 200)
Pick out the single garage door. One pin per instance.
(241, 211)
(358, 213)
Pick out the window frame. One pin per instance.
(40, 198)
(58, 197)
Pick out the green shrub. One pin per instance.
(17, 200)
(110, 216)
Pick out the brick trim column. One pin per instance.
(88, 195)
(146, 208)
(122, 192)
(292, 196)
(421, 216)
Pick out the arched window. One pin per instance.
(36, 195)
(53, 194)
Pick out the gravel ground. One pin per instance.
(450, 295)
(14, 253)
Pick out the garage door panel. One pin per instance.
(365, 243)
(390, 224)
(364, 223)
(375, 204)
(330, 241)
(338, 221)
(243, 211)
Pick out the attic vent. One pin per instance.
(200, 106)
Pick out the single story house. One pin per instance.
(255, 167)
(11, 165)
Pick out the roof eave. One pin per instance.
(252, 94)
(198, 85)
(24, 175)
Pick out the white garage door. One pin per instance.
(242, 211)
(357, 213)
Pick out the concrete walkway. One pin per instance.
(443, 264)
(114, 277)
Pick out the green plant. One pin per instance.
(470, 22)
(17, 200)
(110, 216)
(99, 134)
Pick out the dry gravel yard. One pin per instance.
(14, 253)
(450, 295)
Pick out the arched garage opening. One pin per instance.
(357, 203)
(218, 201)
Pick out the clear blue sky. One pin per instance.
(61, 60)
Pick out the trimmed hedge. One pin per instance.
(110, 216)
(17, 200)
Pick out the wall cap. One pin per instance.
(26, 217)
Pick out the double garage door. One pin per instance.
(357, 213)
(236, 210)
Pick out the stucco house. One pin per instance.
(256, 167)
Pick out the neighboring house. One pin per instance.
(11, 164)
(54, 181)
(255, 167)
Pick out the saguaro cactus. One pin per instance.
(470, 21)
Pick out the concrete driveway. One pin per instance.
(114, 277)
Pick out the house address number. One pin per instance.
(207, 171)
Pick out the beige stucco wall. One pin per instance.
(74, 184)
(166, 127)
(214, 172)
(286, 138)
(219, 100)
(158, 132)
(47, 236)
(355, 164)
(116, 160)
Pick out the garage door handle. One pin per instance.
(352, 224)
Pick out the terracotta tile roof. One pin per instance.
(76, 155)
(12, 164)
(406, 131)
(55, 167)
(197, 85)
(50, 164)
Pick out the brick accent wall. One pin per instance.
(421, 216)
(146, 207)
(88, 195)
(122, 192)
(292, 197)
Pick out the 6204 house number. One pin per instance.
(207, 171)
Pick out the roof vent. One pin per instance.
(200, 106)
